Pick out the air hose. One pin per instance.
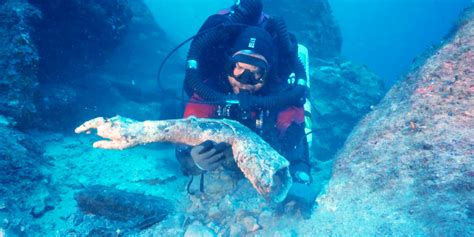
(278, 26)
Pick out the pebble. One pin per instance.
(214, 213)
(195, 230)
(215, 185)
(250, 224)
(214, 227)
(226, 204)
(265, 219)
(196, 204)
(38, 210)
(236, 230)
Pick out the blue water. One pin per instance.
(387, 35)
(182, 18)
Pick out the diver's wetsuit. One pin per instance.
(282, 128)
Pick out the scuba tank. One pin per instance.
(308, 118)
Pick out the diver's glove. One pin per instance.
(209, 155)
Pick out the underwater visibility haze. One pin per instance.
(364, 129)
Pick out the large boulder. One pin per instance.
(407, 168)
(341, 94)
(313, 24)
(24, 178)
(18, 60)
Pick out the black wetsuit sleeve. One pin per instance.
(294, 147)
(208, 58)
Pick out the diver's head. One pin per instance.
(251, 9)
(251, 59)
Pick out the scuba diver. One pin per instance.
(238, 68)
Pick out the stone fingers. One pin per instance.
(91, 124)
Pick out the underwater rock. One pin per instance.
(24, 178)
(74, 37)
(136, 210)
(19, 60)
(313, 24)
(407, 168)
(21, 161)
(94, 52)
(341, 94)
(236, 230)
(250, 224)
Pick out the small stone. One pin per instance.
(215, 185)
(236, 230)
(226, 204)
(214, 227)
(38, 211)
(265, 219)
(250, 224)
(214, 213)
(196, 204)
(196, 230)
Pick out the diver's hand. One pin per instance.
(208, 155)
(121, 131)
